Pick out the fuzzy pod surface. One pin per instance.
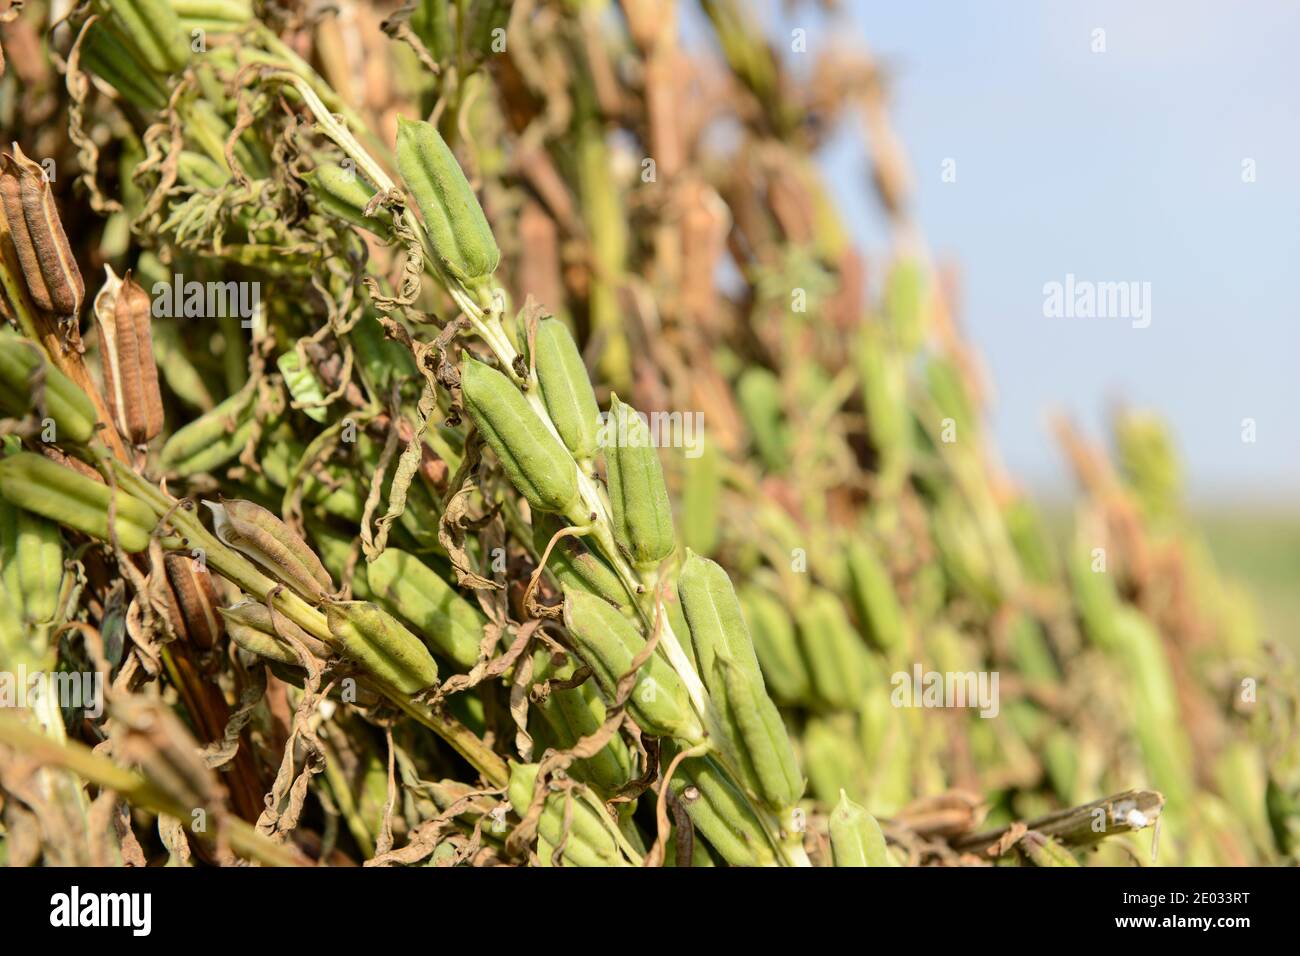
(638, 495)
(533, 459)
(452, 215)
(566, 388)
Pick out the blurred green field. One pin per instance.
(1262, 550)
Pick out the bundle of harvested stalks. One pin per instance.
(354, 558)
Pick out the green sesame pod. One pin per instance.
(856, 839)
(720, 812)
(1149, 462)
(832, 757)
(9, 515)
(946, 388)
(767, 754)
(12, 570)
(730, 670)
(153, 29)
(1030, 650)
(608, 641)
(777, 646)
(566, 389)
(258, 534)
(387, 651)
(212, 439)
(40, 566)
(949, 650)
(887, 741)
(600, 196)
(67, 404)
(57, 492)
(837, 660)
(877, 605)
(576, 712)
(13, 644)
(418, 595)
(963, 553)
(1061, 759)
(453, 218)
(905, 304)
(929, 592)
(545, 853)
(589, 840)
(303, 385)
(717, 624)
(249, 625)
(639, 505)
(1095, 598)
(1241, 776)
(1032, 544)
(431, 21)
(702, 500)
(758, 392)
(345, 195)
(533, 459)
(1157, 720)
(1282, 803)
(575, 566)
(884, 399)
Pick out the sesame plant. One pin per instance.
(428, 441)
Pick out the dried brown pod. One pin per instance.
(196, 599)
(49, 268)
(123, 315)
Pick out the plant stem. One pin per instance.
(135, 789)
(489, 328)
(236, 569)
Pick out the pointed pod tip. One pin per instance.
(846, 808)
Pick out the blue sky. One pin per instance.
(1114, 166)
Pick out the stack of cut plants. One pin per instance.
(467, 434)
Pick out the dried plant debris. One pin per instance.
(409, 489)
